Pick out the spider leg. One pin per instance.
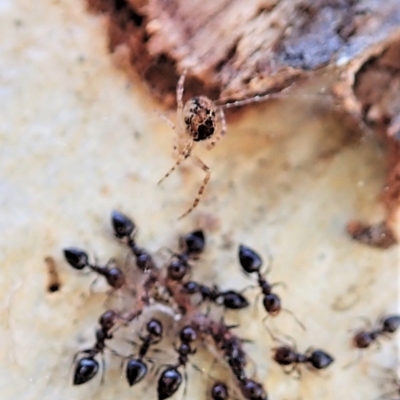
(202, 187)
(179, 96)
(218, 136)
(184, 154)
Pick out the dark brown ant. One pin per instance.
(251, 263)
(171, 379)
(192, 244)
(230, 299)
(364, 338)
(87, 367)
(136, 368)
(125, 229)
(79, 260)
(287, 355)
(231, 347)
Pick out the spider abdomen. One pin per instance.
(199, 115)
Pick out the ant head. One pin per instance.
(195, 242)
(363, 339)
(252, 390)
(85, 370)
(191, 287)
(115, 278)
(219, 391)
(176, 270)
(284, 355)
(188, 334)
(272, 303)
(391, 324)
(320, 360)
(168, 383)
(155, 328)
(234, 300)
(249, 259)
(77, 258)
(107, 319)
(122, 225)
(136, 370)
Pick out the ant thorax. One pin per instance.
(199, 116)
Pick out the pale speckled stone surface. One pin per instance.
(78, 140)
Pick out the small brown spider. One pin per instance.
(200, 119)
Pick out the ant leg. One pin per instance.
(249, 287)
(273, 337)
(295, 318)
(222, 132)
(185, 377)
(184, 154)
(283, 284)
(256, 301)
(367, 321)
(202, 187)
(103, 369)
(269, 263)
(351, 363)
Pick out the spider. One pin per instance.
(200, 119)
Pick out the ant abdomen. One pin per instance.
(77, 258)
(168, 383)
(136, 370)
(391, 323)
(234, 300)
(249, 260)
(122, 225)
(85, 370)
(195, 241)
(319, 359)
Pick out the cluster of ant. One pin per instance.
(144, 283)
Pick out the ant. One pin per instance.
(364, 338)
(192, 244)
(136, 368)
(171, 379)
(230, 298)
(251, 263)
(87, 367)
(231, 347)
(124, 229)
(287, 355)
(79, 260)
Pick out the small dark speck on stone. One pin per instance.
(81, 59)
(18, 23)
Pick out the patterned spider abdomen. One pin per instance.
(199, 115)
